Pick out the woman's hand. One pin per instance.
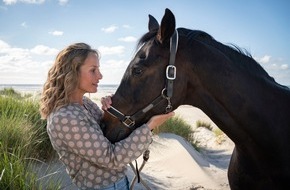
(106, 102)
(158, 120)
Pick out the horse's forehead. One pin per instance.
(146, 46)
(140, 47)
(143, 48)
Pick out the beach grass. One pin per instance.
(178, 126)
(23, 141)
(207, 125)
(217, 131)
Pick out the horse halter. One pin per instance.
(166, 93)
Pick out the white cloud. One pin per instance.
(114, 64)
(115, 50)
(44, 50)
(126, 26)
(273, 66)
(284, 66)
(30, 66)
(11, 2)
(24, 66)
(23, 24)
(56, 33)
(8, 53)
(110, 29)
(113, 70)
(128, 39)
(63, 2)
(3, 45)
(264, 59)
(276, 67)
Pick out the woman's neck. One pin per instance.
(77, 97)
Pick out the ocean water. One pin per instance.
(33, 88)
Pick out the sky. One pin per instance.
(32, 32)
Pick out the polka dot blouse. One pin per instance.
(90, 159)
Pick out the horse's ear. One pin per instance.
(167, 26)
(153, 24)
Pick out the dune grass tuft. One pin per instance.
(207, 125)
(178, 126)
(23, 140)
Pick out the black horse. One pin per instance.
(175, 67)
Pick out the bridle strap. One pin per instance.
(129, 121)
(171, 69)
(166, 93)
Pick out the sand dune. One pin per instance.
(174, 164)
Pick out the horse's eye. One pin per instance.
(137, 71)
(142, 56)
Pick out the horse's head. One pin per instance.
(147, 87)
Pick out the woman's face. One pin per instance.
(90, 74)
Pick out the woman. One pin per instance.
(73, 123)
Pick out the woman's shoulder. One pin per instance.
(72, 110)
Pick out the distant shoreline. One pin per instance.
(32, 88)
(38, 87)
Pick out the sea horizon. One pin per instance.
(107, 88)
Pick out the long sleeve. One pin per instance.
(76, 136)
(72, 131)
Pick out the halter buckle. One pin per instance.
(171, 72)
(168, 109)
(128, 122)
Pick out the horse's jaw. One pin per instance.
(113, 129)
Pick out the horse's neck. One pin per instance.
(243, 111)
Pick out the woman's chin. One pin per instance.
(93, 90)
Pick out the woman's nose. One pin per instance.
(100, 76)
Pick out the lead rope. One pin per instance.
(137, 171)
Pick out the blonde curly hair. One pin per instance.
(63, 77)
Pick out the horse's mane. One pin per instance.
(241, 57)
(208, 39)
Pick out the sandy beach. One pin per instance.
(174, 163)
